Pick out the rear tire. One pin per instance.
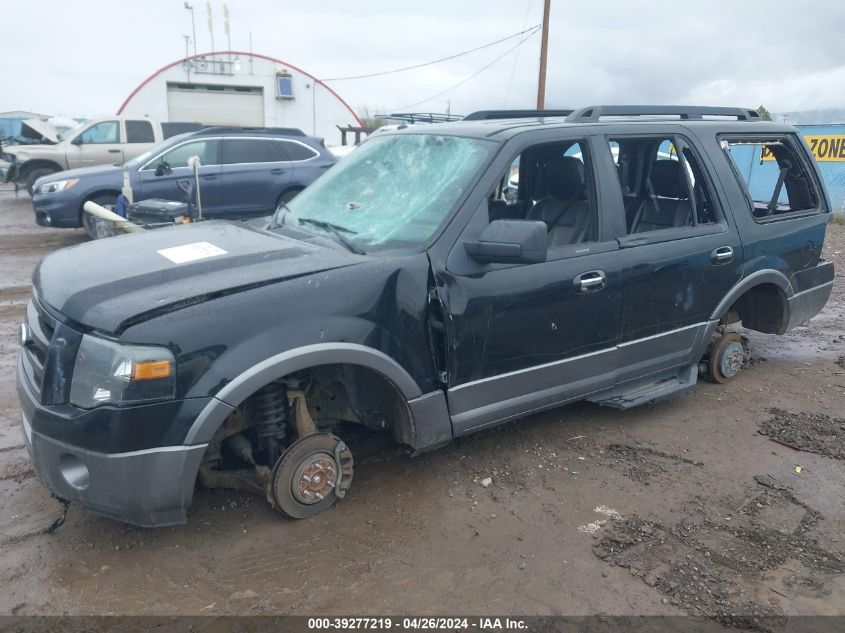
(35, 174)
(89, 222)
(286, 197)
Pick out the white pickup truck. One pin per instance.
(104, 141)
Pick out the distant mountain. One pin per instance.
(812, 117)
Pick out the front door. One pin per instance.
(151, 181)
(524, 337)
(96, 145)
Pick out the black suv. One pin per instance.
(437, 281)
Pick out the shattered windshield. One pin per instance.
(392, 192)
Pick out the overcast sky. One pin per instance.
(82, 58)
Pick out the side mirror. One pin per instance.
(163, 169)
(511, 242)
(77, 140)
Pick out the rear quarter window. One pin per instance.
(775, 174)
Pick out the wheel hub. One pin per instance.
(315, 477)
(733, 359)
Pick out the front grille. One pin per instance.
(48, 354)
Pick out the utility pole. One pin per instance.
(544, 52)
(210, 25)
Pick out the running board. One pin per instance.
(634, 395)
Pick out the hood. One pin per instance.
(40, 130)
(111, 284)
(84, 172)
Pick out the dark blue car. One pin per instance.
(245, 173)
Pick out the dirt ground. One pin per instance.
(727, 502)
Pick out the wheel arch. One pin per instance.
(761, 300)
(237, 390)
(92, 195)
(23, 170)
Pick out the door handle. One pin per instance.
(209, 177)
(722, 255)
(277, 171)
(114, 151)
(591, 281)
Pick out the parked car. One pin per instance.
(245, 173)
(402, 295)
(106, 141)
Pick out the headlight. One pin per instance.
(58, 186)
(110, 373)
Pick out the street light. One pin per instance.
(193, 26)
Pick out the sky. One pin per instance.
(82, 58)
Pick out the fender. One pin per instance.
(745, 284)
(297, 359)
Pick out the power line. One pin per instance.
(436, 61)
(476, 73)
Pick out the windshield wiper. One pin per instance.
(336, 230)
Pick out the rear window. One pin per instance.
(139, 132)
(246, 150)
(296, 151)
(776, 178)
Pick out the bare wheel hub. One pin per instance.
(733, 359)
(314, 478)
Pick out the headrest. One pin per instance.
(667, 180)
(564, 176)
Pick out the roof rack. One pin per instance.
(485, 115)
(420, 117)
(594, 113)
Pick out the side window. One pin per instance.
(774, 176)
(552, 183)
(296, 151)
(101, 133)
(663, 184)
(139, 132)
(178, 156)
(247, 150)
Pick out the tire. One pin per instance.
(286, 197)
(89, 222)
(35, 174)
(300, 481)
(728, 356)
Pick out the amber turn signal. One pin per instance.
(151, 369)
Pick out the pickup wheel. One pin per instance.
(89, 222)
(311, 475)
(728, 356)
(35, 174)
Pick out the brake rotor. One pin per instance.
(728, 357)
(311, 475)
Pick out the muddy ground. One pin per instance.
(685, 506)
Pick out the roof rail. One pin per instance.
(420, 117)
(224, 129)
(485, 115)
(594, 113)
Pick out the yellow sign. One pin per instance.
(825, 148)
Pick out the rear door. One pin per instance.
(98, 144)
(153, 183)
(255, 173)
(680, 252)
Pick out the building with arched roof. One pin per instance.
(243, 89)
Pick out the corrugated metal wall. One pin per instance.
(833, 172)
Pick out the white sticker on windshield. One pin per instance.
(191, 252)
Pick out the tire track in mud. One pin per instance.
(736, 570)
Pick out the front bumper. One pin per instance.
(59, 210)
(150, 488)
